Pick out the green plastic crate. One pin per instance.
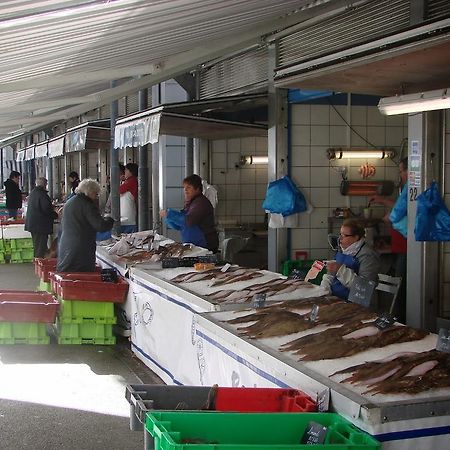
(76, 311)
(2, 258)
(23, 255)
(23, 333)
(84, 333)
(44, 286)
(19, 244)
(303, 265)
(250, 431)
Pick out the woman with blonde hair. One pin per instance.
(80, 223)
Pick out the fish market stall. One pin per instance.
(164, 312)
(390, 382)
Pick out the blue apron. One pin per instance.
(337, 288)
(193, 235)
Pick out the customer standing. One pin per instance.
(40, 217)
(196, 220)
(80, 223)
(74, 180)
(13, 194)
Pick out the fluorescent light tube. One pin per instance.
(411, 103)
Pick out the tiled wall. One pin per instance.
(446, 269)
(318, 127)
(241, 189)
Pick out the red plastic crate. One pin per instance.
(263, 400)
(42, 267)
(28, 306)
(89, 286)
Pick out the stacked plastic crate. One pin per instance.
(4, 250)
(24, 316)
(42, 268)
(21, 250)
(86, 314)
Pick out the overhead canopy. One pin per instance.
(56, 146)
(87, 137)
(41, 149)
(29, 152)
(188, 119)
(59, 57)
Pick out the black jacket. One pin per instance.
(40, 213)
(13, 195)
(80, 223)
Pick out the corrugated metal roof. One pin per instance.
(58, 57)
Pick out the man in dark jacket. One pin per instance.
(13, 194)
(81, 221)
(40, 217)
(196, 220)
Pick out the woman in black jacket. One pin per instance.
(40, 217)
(80, 222)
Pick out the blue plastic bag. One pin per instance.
(398, 215)
(283, 197)
(433, 217)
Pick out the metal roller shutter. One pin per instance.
(370, 21)
(438, 9)
(241, 73)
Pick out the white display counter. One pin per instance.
(183, 338)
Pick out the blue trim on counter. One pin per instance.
(412, 434)
(175, 381)
(164, 296)
(243, 361)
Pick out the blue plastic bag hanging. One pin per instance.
(283, 197)
(433, 217)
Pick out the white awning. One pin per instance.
(56, 146)
(41, 150)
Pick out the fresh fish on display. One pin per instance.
(238, 275)
(275, 323)
(332, 344)
(196, 276)
(406, 373)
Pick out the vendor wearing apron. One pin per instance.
(356, 257)
(195, 221)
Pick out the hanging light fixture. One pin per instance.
(250, 159)
(411, 103)
(352, 153)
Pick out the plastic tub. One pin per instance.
(146, 397)
(28, 306)
(89, 287)
(249, 431)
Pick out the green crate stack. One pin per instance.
(23, 255)
(5, 250)
(85, 322)
(21, 244)
(85, 333)
(44, 286)
(303, 265)
(23, 333)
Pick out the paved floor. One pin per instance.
(65, 396)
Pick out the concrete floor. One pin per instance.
(65, 396)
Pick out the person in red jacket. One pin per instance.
(131, 182)
(128, 190)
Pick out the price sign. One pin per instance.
(314, 313)
(361, 291)
(259, 301)
(384, 321)
(323, 401)
(443, 342)
(315, 433)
